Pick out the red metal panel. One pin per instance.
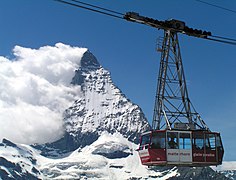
(198, 155)
(144, 156)
(153, 156)
(157, 154)
(210, 155)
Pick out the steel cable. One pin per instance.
(90, 9)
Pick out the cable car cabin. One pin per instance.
(181, 148)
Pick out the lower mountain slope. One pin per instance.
(110, 157)
(17, 162)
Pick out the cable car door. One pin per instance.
(179, 147)
(172, 143)
(185, 147)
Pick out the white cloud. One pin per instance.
(35, 90)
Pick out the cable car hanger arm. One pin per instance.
(171, 25)
(176, 26)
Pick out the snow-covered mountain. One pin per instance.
(100, 107)
(101, 127)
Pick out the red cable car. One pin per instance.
(183, 148)
(179, 136)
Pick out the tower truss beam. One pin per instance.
(173, 109)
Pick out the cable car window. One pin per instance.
(210, 141)
(145, 140)
(218, 141)
(185, 141)
(198, 141)
(172, 139)
(158, 140)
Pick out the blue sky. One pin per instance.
(127, 49)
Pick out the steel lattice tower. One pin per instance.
(173, 109)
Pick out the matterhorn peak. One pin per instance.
(100, 106)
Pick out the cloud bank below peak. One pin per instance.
(35, 89)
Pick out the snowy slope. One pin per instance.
(17, 161)
(95, 162)
(227, 165)
(228, 168)
(111, 157)
(91, 162)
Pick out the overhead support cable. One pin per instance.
(221, 41)
(234, 40)
(219, 7)
(108, 13)
(105, 9)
